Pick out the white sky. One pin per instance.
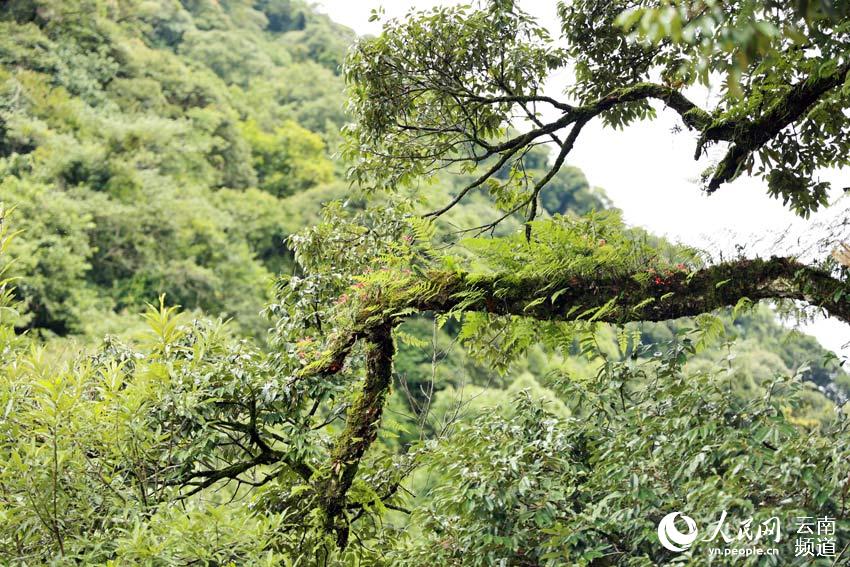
(648, 171)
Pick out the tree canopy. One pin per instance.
(445, 88)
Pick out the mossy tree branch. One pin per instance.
(615, 298)
(360, 431)
(747, 136)
(637, 297)
(662, 297)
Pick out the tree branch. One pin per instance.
(360, 431)
(670, 297)
(692, 116)
(637, 296)
(566, 147)
(748, 136)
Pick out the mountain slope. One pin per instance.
(150, 147)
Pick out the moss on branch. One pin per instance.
(747, 136)
(637, 296)
(360, 432)
(640, 296)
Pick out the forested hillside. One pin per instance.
(157, 147)
(162, 153)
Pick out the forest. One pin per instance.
(273, 293)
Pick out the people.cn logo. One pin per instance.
(670, 536)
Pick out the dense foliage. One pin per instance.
(131, 143)
(533, 487)
(464, 358)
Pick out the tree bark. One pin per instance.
(360, 431)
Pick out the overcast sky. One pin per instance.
(649, 172)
